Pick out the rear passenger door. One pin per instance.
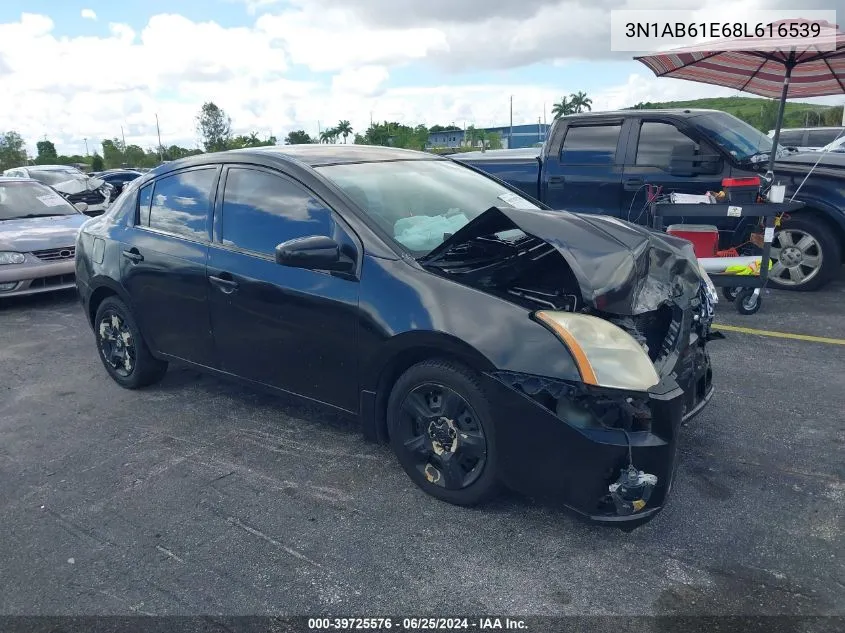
(290, 328)
(586, 174)
(163, 259)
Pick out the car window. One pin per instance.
(820, 138)
(145, 199)
(180, 203)
(261, 210)
(657, 142)
(590, 145)
(791, 138)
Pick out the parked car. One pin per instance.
(118, 178)
(38, 230)
(487, 338)
(601, 163)
(71, 183)
(808, 138)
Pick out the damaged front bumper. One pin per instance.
(577, 464)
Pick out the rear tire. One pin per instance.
(441, 429)
(122, 349)
(806, 253)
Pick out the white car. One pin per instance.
(71, 183)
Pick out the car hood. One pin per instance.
(621, 268)
(35, 234)
(79, 184)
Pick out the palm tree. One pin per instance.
(580, 102)
(344, 128)
(328, 136)
(562, 108)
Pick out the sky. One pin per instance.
(77, 72)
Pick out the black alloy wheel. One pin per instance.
(122, 349)
(116, 343)
(441, 432)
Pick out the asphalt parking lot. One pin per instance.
(197, 496)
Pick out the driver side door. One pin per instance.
(648, 161)
(290, 328)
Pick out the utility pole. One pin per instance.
(123, 138)
(86, 146)
(158, 131)
(510, 134)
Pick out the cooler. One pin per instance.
(704, 237)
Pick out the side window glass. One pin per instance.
(261, 210)
(657, 143)
(820, 138)
(790, 138)
(181, 203)
(145, 198)
(590, 145)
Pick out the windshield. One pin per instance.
(421, 203)
(29, 199)
(55, 176)
(734, 135)
(835, 146)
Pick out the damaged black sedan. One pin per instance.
(491, 341)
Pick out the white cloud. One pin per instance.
(171, 65)
(366, 81)
(88, 14)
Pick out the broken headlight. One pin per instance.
(606, 355)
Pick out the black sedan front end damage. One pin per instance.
(634, 310)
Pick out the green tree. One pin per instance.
(46, 153)
(443, 128)
(113, 153)
(832, 116)
(215, 127)
(250, 140)
(298, 137)
(579, 101)
(12, 150)
(768, 115)
(562, 108)
(470, 135)
(328, 136)
(494, 141)
(97, 162)
(134, 156)
(344, 129)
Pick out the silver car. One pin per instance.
(73, 184)
(38, 229)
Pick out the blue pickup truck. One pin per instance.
(603, 162)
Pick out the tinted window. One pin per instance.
(657, 140)
(261, 210)
(789, 138)
(820, 138)
(145, 198)
(180, 203)
(590, 145)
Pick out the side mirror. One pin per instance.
(685, 160)
(82, 207)
(315, 252)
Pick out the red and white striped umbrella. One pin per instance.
(758, 65)
(778, 66)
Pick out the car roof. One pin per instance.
(318, 155)
(17, 179)
(681, 112)
(51, 168)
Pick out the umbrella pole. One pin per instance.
(770, 174)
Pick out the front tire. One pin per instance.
(806, 254)
(122, 349)
(441, 429)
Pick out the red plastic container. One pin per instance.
(704, 237)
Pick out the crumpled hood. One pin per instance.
(35, 234)
(621, 268)
(76, 185)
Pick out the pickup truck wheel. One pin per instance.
(805, 254)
